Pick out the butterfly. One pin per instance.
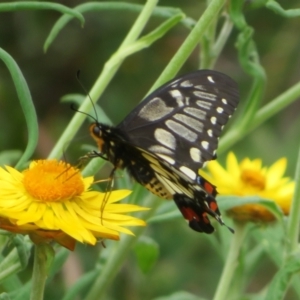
(168, 137)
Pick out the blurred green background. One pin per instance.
(187, 260)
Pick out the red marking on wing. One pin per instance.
(213, 205)
(209, 188)
(189, 214)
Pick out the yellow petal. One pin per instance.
(275, 172)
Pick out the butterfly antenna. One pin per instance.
(87, 93)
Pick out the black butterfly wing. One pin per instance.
(194, 198)
(181, 121)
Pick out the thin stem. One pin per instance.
(265, 113)
(190, 43)
(211, 52)
(222, 38)
(207, 43)
(294, 219)
(39, 275)
(103, 80)
(118, 255)
(231, 261)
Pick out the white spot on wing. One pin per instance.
(186, 83)
(204, 95)
(195, 154)
(160, 149)
(181, 130)
(205, 145)
(204, 104)
(165, 138)
(200, 87)
(154, 110)
(195, 112)
(213, 120)
(189, 121)
(178, 96)
(210, 79)
(188, 172)
(210, 132)
(224, 101)
(219, 110)
(175, 93)
(168, 159)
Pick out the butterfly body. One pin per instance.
(168, 137)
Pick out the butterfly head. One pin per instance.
(97, 131)
(108, 140)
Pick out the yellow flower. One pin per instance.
(52, 201)
(248, 178)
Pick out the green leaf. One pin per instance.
(26, 104)
(35, 5)
(181, 295)
(147, 252)
(150, 38)
(23, 292)
(60, 258)
(167, 211)
(11, 263)
(9, 157)
(73, 98)
(22, 249)
(4, 296)
(163, 12)
(98, 111)
(82, 283)
(281, 280)
(276, 8)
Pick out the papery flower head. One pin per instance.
(52, 201)
(248, 178)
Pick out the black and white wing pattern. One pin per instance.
(168, 137)
(182, 121)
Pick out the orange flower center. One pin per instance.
(50, 180)
(253, 179)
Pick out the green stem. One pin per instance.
(221, 39)
(211, 47)
(207, 43)
(39, 275)
(109, 70)
(118, 255)
(231, 261)
(34, 5)
(276, 105)
(294, 218)
(265, 113)
(190, 43)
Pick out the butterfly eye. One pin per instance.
(97, 130)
